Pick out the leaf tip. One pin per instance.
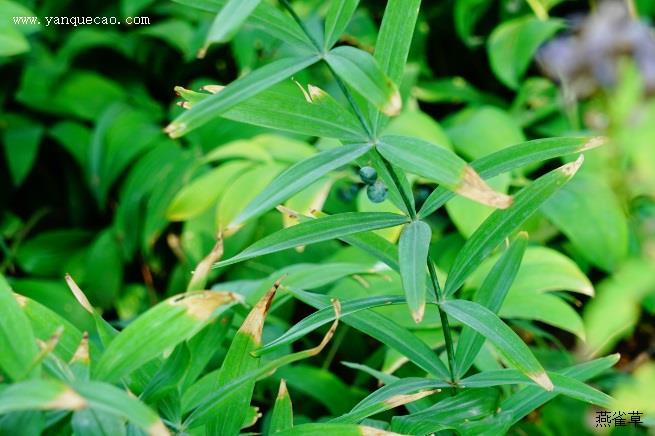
(81, 354)
(21, 300)
(175, 130)
(77, 292)
(543, 380)
(475, 188)
(393, 105)
(418, 313)
(571, 168)
(254, 322)
(213, 89)
(283, 392)
(202, 304)
(158, 429)
(594, 142)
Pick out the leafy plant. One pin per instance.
(432, 248)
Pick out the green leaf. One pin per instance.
(385, 331)
(589, 214)
(282, 414)
(526, 400)
(228, 418)
(287, 106)
(413, 253)
(395, 37)
(546, 308)
(513, 43)
(265, 17)
(321, 429)
(12, 41)
(236, 92)
(467, 14)
(39, 395)
(229, 20)
(502, 223)
(165, 325)
(337, 19)
(195, 197)
(514, 157)
(440, 165)
(513, 349)
(360, 70)
(22, 138)
(491, 295)
(325, 316)
(449, 413)
(563, 385)
(299, 176)
(18, 350)
(317, 230)
(394, 394)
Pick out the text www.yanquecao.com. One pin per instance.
(81, 21)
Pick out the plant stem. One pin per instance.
(450, 350)
(433, 275)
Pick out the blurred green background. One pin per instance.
(91, 186)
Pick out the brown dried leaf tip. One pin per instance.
(82, 352)
(202, 304)
(77, 292)
(254, 322)
(475, 188)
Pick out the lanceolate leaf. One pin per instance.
(321, 429)
(523, 402)
(413, 253)
(485, 322)
(360, 70)
(299, 176)
(441, 165)
(18, 348)
(564, 385)
(236, 92)
(394, 40)
(229, 19)
(501, 223)
(286, 106)
(238, 361)
(265, 17)
(317, 230)
(514, 157)
(394, 394)
(282, 415)
(165, 325)
(338, 17)
(491, 294)
(387, 332)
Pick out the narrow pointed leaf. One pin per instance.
(514, 350)
(238, 361)
(513, 157)
(395, 394)
(564, 385)
(165, 325)
(518, 405)
(299, 176)
(317, 230)
(491, 294)
(325, 316)
(337, 19)
(413, 253)
(229, 19)
(502, 223)
(360, 70)
(386, 332)
(236, 92)
(282, 415)
(207, 399)
(441, 165)
(321, 429)
(286, 106)
(18, 348)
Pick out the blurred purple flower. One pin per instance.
(588, 59)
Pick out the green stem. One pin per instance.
(396, 182)
(450, 350)
(295, 16)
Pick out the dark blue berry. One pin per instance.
(368, 175)
(377, 192)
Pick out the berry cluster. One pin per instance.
(376, 191)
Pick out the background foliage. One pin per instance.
(92, 186)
